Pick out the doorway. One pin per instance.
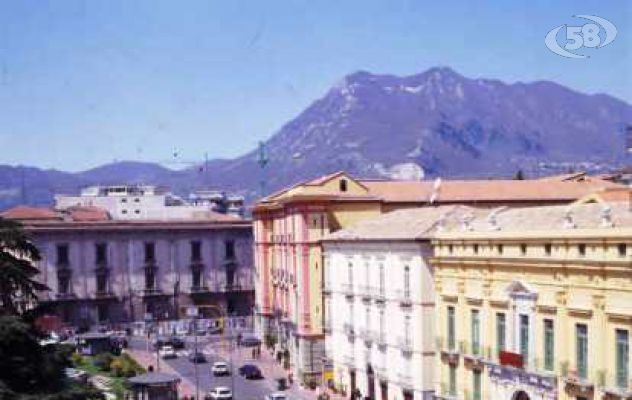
(370, 376)
(521, 395)
(384, 390)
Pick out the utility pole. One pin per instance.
(262, 160)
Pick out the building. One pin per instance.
(379, 303)
(135, 202)
(106, 271)
(289, 224)
(535, 303)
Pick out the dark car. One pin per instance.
(177, 342)
(197, 358)
(250, 371)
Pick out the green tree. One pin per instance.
(18, 287)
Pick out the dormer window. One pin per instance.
(343, 185)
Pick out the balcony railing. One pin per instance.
(65, 296)
(368, 336)
(380, 294)
(104, 294)
(380, 340)
(151, 292)
(366, 292)
(347, 289)
(405, 345)
(327, 288)
(349, 330)
(404, 297)
(199, 289)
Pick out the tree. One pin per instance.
(18, 287)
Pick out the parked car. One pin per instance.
(167, 352)
(197, 358)
(160, 341)
(276, 396)
(250, 371)
(220, 368)
(177, 343)
(219, 393)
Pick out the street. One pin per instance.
(210, 346)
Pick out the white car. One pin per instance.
(167, 352)
(276, 396)
(220, 393)
(220, 368)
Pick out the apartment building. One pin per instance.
(535, 303)
(289, 224)
(379, 304)
(105, 271)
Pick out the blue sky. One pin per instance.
(87, 82)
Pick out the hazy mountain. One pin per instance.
(438, 122)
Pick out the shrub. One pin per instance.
(77, 359)
(103, 361)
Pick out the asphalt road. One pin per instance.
(243, 389)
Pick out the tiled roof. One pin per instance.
(406, 224)
(31, 213)
(472, 191)
(81, 213)
(556, 219)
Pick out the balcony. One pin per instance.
(348, 360)
(368, 336)
(448, 350)
(366, 293)
(404, 297)
(104, 294)
(380, 295)
(405, 380)
(540, 382)
(613, 385)
(347, 290)
(405, 345)
(576, 382)
(65, 296)
(197, 289)
(349, 330)
(327, 289)
(150, 292)
(381, 342)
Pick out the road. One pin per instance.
(243, 389)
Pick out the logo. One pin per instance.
(589, 35)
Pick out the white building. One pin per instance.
(137, 202)
(379, 304)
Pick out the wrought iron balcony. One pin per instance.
(104, 294)
(199, 289)
(65, 296)
(405, 345)
(405, 298)
(148, 292)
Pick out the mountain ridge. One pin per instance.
(434, 123)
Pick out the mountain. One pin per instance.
(436, 123)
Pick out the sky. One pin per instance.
(87, 82)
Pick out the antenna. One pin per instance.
(262, 160)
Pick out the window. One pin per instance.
(407, 282)
(229, 249)
(136, 211)
(381, 279)
(62, 254)
(582, 350)
(501, 324)
(581, 248)
(450, 248)
(475, 247)
(123, 200)
(623, 350)
(549, 345)
(102, 282)
(523, 249)
(350, 274)
(101, 253)
(452, 384)
(451, 329)
(476, 332)
(524, 337)
(124, 212)
(547, 249)
(196, 251)
(407, 329)
(150, 278)
(63, 283)
(150, 252)
(622, 249)
(499, 248)
(137, 200)
(381, 324)
(343, 185)
(477, 384)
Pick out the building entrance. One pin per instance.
(521, 395)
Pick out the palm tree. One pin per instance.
(18, 288)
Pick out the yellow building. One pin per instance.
(535, 303)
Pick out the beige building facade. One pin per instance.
(535, 303)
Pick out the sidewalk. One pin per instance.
(186, 387)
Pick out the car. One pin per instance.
(167, 352)
(276, 396)
(219, 393)
(197, 358)
(250, 371)
(177, 343)
(220, 368)
(160, 341)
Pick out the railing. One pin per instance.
(381, 340)
(380, 294)
(609, 382)
(66, 296)
(347, 289)
(199, 289)
(405, 379)
(327, 288)
(151, 292)
(366, 292)
(404, 297)
(405, 344)
(103, 294)
(367, 335)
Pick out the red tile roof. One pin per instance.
(31, 213)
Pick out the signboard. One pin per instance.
(511, 359)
